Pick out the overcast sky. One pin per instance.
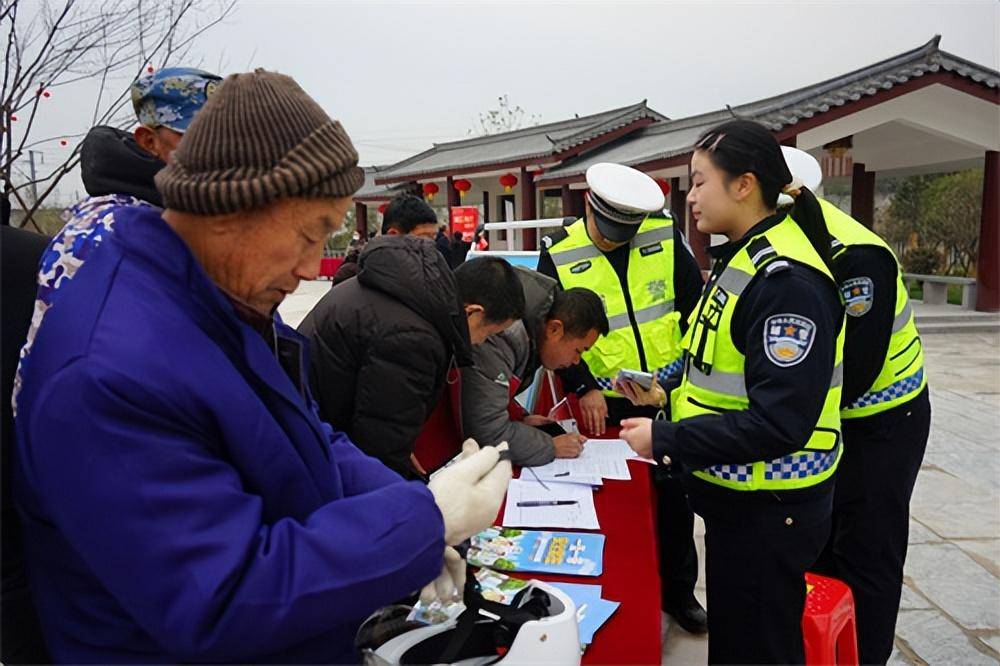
(401, 76)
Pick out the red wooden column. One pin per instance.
(676, 203)
(529, 236)
(863, 195)
(361, 220)
(452, 199)
(568, 203)
(988, 263)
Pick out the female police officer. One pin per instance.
(755, 421)
(885, 413)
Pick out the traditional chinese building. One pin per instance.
(923, 111)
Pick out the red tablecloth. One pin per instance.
(625, 510)
(631, 575)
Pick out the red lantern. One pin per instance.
(463, 186)
(381, 209)
(508, 180)
(430, 189)
(664, 185)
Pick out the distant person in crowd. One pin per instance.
(459, 249)
(558, 326)
(348, 269)
(117, 169)
(382, 344)
(181, 499)
(480, 241)
(409, 215)
(443, 243)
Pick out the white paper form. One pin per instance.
(567, 470)
(609, 456)
(581, 515)
(614, 447)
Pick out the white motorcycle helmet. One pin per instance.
(804, 167)
(538, 627)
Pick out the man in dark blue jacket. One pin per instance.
(181, 499)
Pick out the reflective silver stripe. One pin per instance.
(902, 319)
(590, 251)
(733, 280)
(733, 383)
(654, 312)
(653, 236)
(838, 376)
(761, 254)
(729, 383)
(574, 255)
(619, 321)
(643, 316)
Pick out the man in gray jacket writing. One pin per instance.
(558, 326)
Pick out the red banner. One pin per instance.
(465, 219)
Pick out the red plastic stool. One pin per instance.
(828, 624)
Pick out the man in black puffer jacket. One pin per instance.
(382, 343)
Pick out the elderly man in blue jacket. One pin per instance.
(181, 499)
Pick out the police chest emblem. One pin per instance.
(650, 249)
(788, 339)
(657, 289)
(580, 267)
(858, 295)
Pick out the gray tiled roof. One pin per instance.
(665, 140)
(539, 142)
(372, 191)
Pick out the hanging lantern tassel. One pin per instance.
(508, 180)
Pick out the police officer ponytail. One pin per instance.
(744, 146)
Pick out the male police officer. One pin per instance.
(627, 250)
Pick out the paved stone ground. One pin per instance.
(950, 610)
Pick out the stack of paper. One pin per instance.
(533, 504)
(601, 459)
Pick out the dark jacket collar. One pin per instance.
(727, 250)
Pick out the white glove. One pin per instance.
(469, 492)
(448, 586)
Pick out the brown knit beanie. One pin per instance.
(259, 138)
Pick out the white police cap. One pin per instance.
(621, 197)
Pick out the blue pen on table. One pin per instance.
(548, 503)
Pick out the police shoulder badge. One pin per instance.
(788, 339)
(859, 293)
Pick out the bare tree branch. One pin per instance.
(62, 42)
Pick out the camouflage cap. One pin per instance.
(171, 97)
